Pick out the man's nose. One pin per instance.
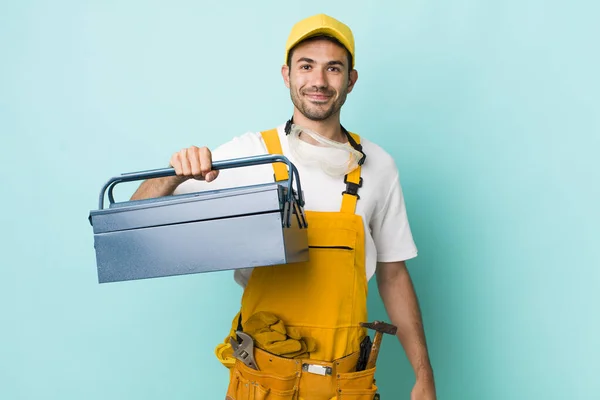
(319, 78)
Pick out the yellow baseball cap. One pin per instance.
(320, 24)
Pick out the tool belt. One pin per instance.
(279, 378)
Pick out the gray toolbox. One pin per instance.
(213, 230)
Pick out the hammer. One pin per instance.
(380, 328)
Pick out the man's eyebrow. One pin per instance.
(311, 61)
(336, 62)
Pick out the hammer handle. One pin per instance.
(374, 350)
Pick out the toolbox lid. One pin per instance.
(198, 206)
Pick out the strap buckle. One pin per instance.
(317, 369)
(351, 187)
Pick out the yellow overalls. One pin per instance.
(324, 298)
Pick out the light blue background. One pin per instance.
(491, 110)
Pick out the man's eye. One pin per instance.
(305, 67)
(334, 69)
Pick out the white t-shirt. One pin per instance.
(388, 237)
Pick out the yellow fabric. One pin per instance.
(321, 301)
(324, 298)
(320, 24)
(271, 139)
(224, 351)
(348, 200)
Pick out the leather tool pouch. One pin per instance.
(250, 384)
(356, 385)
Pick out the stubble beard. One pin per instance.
(316, 112)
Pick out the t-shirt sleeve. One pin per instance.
(391, 229)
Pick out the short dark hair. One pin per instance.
(320, 37)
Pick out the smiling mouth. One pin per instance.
(318, 97)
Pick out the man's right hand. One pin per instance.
(190, 163)
(194, 162)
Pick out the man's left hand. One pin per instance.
(424, 389)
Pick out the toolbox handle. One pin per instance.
(217, 165)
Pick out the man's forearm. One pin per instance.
(400, 301)
(157, 187)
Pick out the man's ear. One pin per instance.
(352, 78)
(285, 73)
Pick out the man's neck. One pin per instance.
(329, 128)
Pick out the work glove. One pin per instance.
(270, 334)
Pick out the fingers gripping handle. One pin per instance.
(217, 165)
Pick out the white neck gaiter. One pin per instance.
(334, 158)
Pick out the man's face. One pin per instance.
(318, 78)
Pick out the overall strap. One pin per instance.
(353, 182)
(271, 139)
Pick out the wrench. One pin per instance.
(244, 351)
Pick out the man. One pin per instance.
(304, 317)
